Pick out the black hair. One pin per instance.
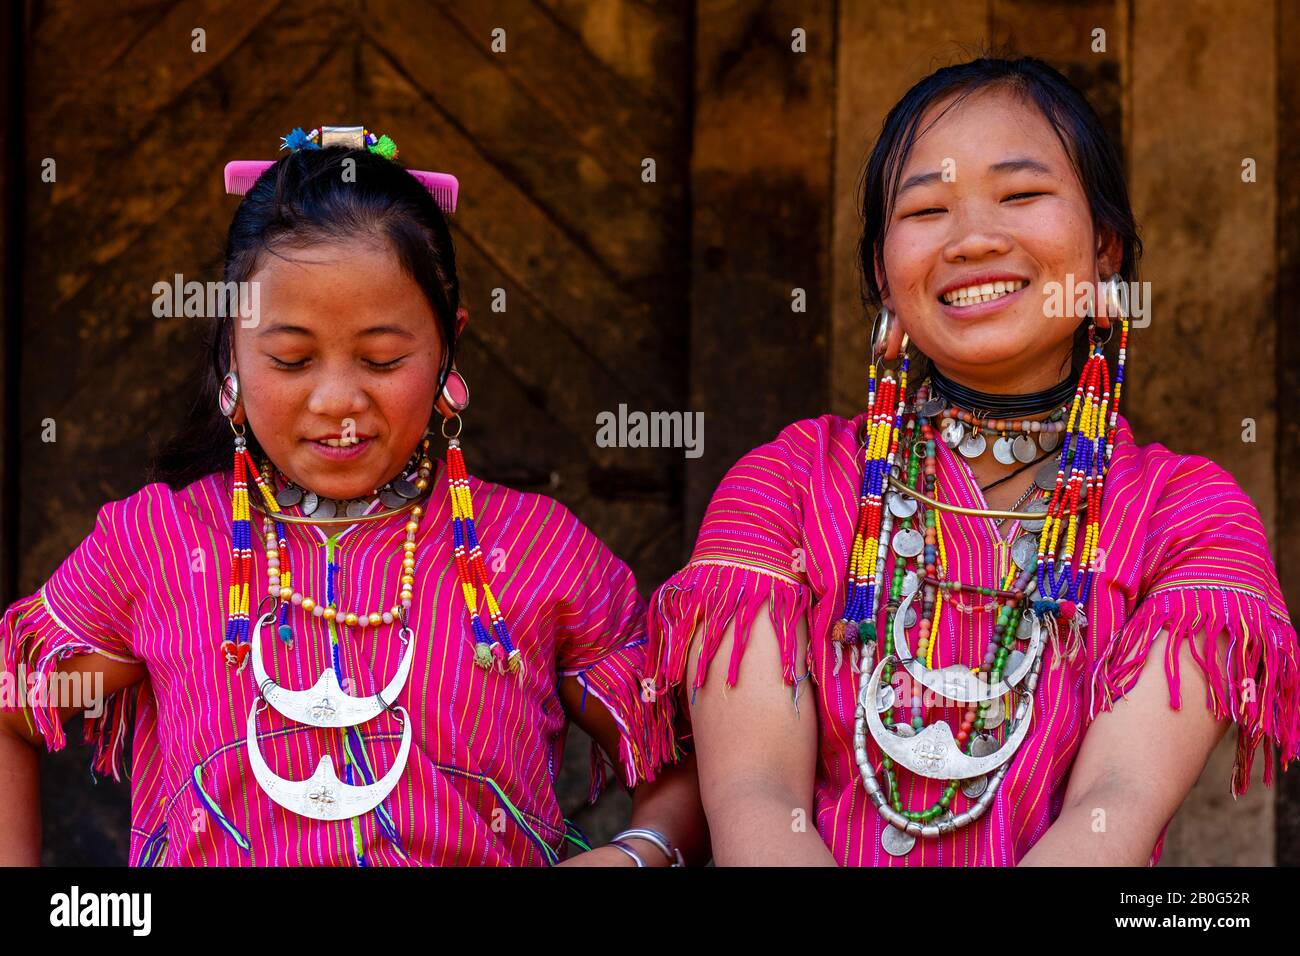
(1093, 153)
(305, 198)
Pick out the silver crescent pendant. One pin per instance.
(957, 682)
(322, 796)
(933, 752)
(325, 704)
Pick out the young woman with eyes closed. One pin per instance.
(1118, 605)
(431, 634)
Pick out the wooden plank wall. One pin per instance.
(1202, 98)
(760, 176)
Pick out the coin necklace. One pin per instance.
(393, 494)
(933, 755)
(932, 750)
(279, 580)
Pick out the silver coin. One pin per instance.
(911, 581)
(896, 842)
(896, 472)
(1024, 448)
(900, 506)
(1025, 552)
(1014, 660)
(904, 729)
(932, 407)
(391, 499)
(975, 786)
(1045, 476)
(1002, 450)
(406, 489)
(908, 542)
(1036, 507)
(357, 507)
(1048, 441)
(909, 619)
(326, 508)
(288, 497)
(983, 745)
(994, 714)
(973, 446)
(310, 503)
(884, 698)
(952, 431)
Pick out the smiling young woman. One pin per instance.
(1014, 557)
(429, 634)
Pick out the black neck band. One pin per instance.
(1003, 406)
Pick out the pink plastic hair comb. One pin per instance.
(241, 174)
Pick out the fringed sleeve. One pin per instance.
(600, 640)
(1212, 575)
(713, 594)
(748, 553)
(85, 607)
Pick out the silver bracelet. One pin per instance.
(658, 839)
(620, 845)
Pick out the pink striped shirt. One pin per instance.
(150, 584)
(1184, 549)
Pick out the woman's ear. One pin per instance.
(1110, 254)
(1109, 258)
(886, 299)
(462, 319)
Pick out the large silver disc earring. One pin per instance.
(454, 398)
(1114, 297)
(880, 332)
(228, 396)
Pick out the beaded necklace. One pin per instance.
(1062, 584)
(491, 651)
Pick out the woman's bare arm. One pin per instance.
(1134, 768)
(669, 804)
(757, 755)
(20, 746)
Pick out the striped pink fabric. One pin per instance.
(150, 584)
(1184, 549)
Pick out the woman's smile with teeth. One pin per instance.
(970, 295)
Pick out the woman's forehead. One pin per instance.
(984, 123)
(340, 287)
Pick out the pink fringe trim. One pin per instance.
(645, 722)
(31, 646)
(714, 594)
(1260, 690)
